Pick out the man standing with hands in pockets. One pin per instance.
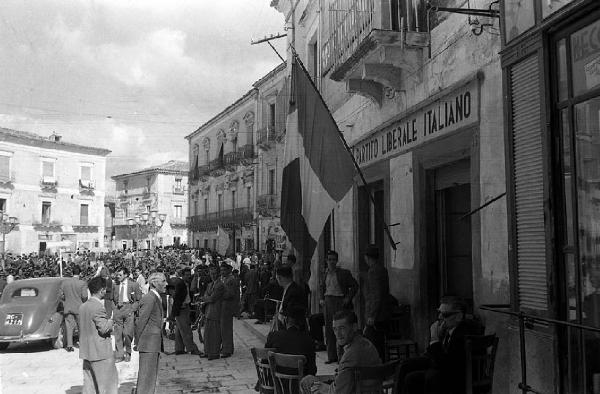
(95, 345)
(149, 333)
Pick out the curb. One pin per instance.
(254, 331)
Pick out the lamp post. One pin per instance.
(147, 220)
(7, 224)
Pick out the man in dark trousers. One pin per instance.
(252, 288)
(230, 307)
(212, 302)
(293, 294)
(180, 314)
(95, 345)
(73, 292)
(442, 369)
(338, 288)
(149, 333)
(126, 296)
(293, 340)
(377, 310)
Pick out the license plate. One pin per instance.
(14, 319)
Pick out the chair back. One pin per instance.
(287, 371)
(263, 371)
(377, 379)
(480, 359)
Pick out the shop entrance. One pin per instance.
(451, 233)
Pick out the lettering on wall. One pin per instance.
(454, 111)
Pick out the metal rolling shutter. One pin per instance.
(528, 184)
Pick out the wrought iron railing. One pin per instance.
(527, 321)
(266, 135)
(224, 218)
(267, 201)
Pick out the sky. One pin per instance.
(132, 76)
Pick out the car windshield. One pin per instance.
(25, 292)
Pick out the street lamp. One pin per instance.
(147, 220)
(7, 224)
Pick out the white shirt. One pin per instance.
(123, 287)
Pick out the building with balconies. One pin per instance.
(416, 91)
(151, 206)
(55, 189)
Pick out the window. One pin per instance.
(46, 212)
(272, 116)
(248, 197)
(220, 203)
(83, 215)
(86, 173)
(148, 182)
(147, 208)
(177, 211)
(196, 208)
(4, 168)
(271, 181)
(125, 213)
(205, 243)
(205, 206)
(48, 169)
(2, 204)
(178, 184)
(214, 247)
(233, 204)
(125, 186)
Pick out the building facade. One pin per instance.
(236, 176)
(551, 74)
(151, 207)
(417, 94)
(56, 191)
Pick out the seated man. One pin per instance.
(442, 369)
(293, 340)
(358, 352)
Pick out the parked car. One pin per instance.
(31, 310)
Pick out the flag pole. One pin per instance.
(356, 166)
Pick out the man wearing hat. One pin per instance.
(376, 295)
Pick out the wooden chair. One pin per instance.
(287, 371)
(378, 379)
(398, 345)
(481, 356)
(263, 370)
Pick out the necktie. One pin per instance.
(122, 293)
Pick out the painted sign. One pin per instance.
(451, 112)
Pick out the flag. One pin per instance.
(222, 241)
(318, 169)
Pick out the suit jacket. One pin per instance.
(214, 299)
(94, 331)
(347, 283)
(181, 291)
(450, 358)
(73, 291)
(294, 341)
(294, 296)
(231, 297)
(252, 282)
(376, 294)
(134, 293)
(358, 353)
(149, 324)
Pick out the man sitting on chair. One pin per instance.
(442, 369)
(358, 352)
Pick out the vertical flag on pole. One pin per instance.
(318, 169)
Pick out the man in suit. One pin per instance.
(126, 296)
(95, 345)
(73, 292)
(212, 301)
(230, 307)
(149, 333)
(377, 289)
(442, 369)
(293, 294)
(358, 352)
(180, 313)
(338, 288)
(294, 340)
(252, 288)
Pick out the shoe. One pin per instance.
(69, 349)
(259, 322)
(225, 355)
(179, 352)
(212, 357)
(197, 353)
(331, 361)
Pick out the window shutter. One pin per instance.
(282, 107)
(528, 184)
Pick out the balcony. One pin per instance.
(374, 47)
(230, 218)
(48, 184)
(87, 187)
(178, 190)
(267, 137)
(232, 159)
(216, 167)
(266, 204)
(46, 225)
(7, 180)
(85, 229)
(200, 173)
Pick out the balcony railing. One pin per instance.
(267, 201)
(266, 136)
(7, 179)
(178, 189)
(247, 151)
(226, 218)
(232, 158)
(85, 229)
(48, 184)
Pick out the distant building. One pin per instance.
(56, 191)
(235, 179)
(151, 206)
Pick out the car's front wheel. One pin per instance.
(59, 341)
(4, 345)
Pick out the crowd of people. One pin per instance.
(145, 296)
